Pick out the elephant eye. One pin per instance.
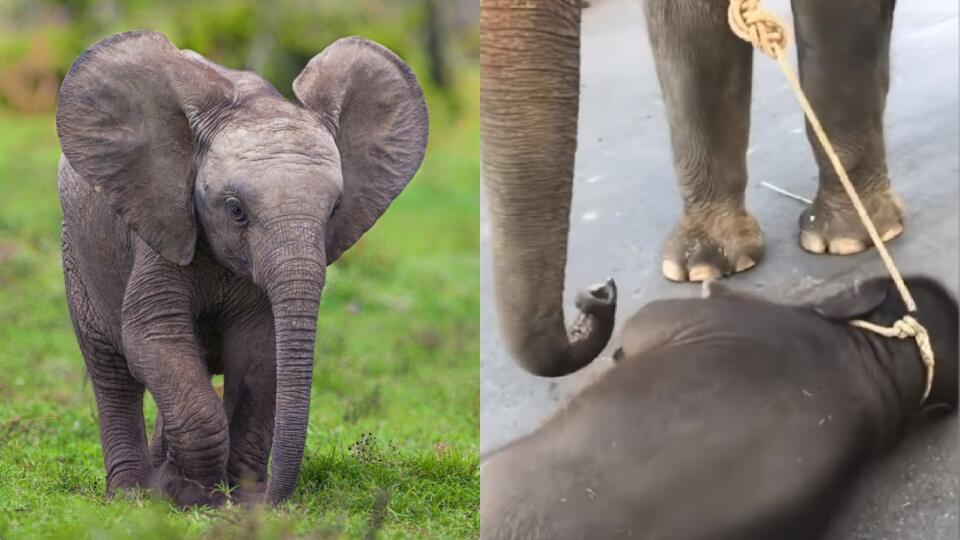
(235, 210)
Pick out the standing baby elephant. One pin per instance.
(726, 418)
(201, 210)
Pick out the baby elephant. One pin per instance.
(726, 418)
(200, 211)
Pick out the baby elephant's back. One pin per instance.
(711, 430)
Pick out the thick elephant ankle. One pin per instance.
(834, 227)
(710, 247)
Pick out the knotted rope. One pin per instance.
(907, 327)
(768, 34)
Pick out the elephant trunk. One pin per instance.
(529, 87)
(293, 278)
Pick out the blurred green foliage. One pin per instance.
(39, 39)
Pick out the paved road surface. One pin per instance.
(626, 201)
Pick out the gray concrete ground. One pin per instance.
(625, 203)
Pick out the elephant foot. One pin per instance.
(184, 492)
(132, 491)
(705, 247)
(249, 494)
(831, 224)
(131, 479)
(248, 487)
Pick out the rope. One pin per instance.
(768, 34)
(907, 327)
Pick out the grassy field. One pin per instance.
(392, 449)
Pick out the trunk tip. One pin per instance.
(598, 300)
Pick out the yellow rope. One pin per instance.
(768, 34)
(907, 327)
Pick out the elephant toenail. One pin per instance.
(812, 242)
(892, 233)
(744, 263)
(673, 271)
(703, 272)
(846, 246)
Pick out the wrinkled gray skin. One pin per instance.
(530, 59)
(201, 210)
(725, 418)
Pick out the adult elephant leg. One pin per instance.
(705, 74)
(843, 50)
(249, 396)
(529, 95)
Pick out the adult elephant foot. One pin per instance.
(709, 246)
(831, 224)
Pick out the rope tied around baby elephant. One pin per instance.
(905, 328)
(767, 33)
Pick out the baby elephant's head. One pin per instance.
(878, 301)
(186, 151)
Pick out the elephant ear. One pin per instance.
(371, 102)
(128, 116)
(854, 302)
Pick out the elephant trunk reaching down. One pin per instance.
(293, 281)
(527, 159)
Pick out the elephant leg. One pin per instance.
(119, 396)
(843, 50)
(119, 400)
(705, 75)
(164, 353)
(250, 385)
(190, 439)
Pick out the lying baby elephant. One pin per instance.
(726, 418)
(200, 212)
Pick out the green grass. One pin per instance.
(397, 358)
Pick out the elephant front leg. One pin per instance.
(192, 419)
(192, 452)
(843, 50)
(250, 385)
(705, 75)
(164, 353)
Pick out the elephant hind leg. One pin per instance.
(705, 77)
(843, 50)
